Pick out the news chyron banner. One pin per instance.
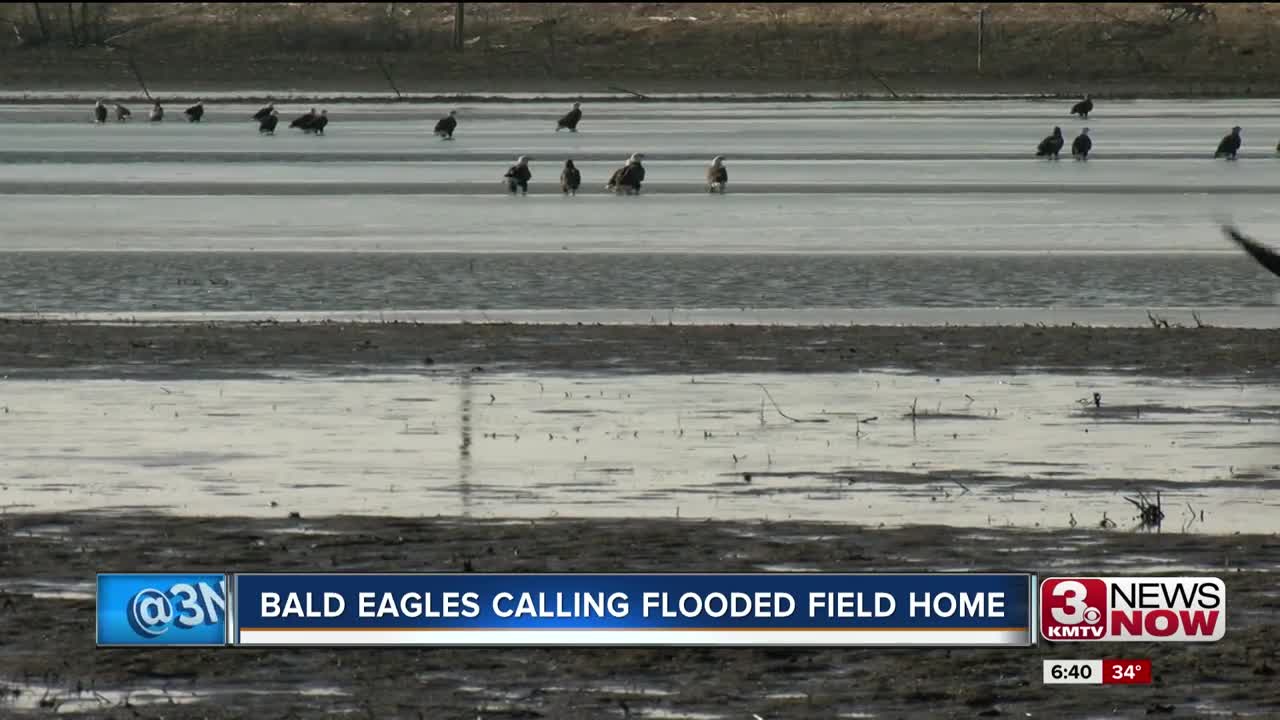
(474, 609)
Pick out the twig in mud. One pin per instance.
(633, 93)
(1150, 514)
(134, 67)
(962, 485)
(387, 74)
(783, 414)
(880, 80)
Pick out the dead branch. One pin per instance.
(615, 88)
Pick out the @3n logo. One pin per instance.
(1136, 609)
(156, 609)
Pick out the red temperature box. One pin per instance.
(1126, 672)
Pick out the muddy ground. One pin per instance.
(1109, 49)
(36, 347)
(48, 642)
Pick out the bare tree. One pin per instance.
(42, 24)
(73, 37)
(457, 27)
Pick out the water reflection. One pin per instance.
(464, 447)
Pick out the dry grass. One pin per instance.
(1053, 44)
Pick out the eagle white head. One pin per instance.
(522, 161)
(717, 161)
(635, 158)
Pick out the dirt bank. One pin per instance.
(1110, 49)
(49, 642)
(33, 347)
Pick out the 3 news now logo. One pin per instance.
(1146, 609)
(162, 609)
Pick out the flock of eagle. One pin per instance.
(628, 178)
(1228, 147)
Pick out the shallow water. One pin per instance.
(174, 282)
(32, 697)
(499, 445)
(863, 205)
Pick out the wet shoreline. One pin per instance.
(31, 348)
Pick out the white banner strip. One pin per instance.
(618, 638)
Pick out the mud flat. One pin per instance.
(47, 653)
(36, 347)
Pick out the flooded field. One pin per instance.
(678, 419)
(1018, 450)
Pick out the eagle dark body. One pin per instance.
(1230, 145)
(263, 113)
(195, 113)
(446, 126)
(629, 176)
(268, 124)
(570, 178)
(303, 122)
(570, 120)
(717, 175)
(1082, 108)
(100, 113)
(1081, 146)
(318, 125)
(1265, 256)
(1052, 145)
(518, 176)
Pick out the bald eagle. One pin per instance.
(1052, 145)
(627, 179)
(1081, 146)
(122, 113)
(195, 112)
(1083, 108)
(157, 112)
(717, 175)
(99, 112)
(570, 179)
(1265, 256)
(267, 125)
(1230, 145)
(304, 121)
(570, 119)
(317, 125)
(518, 176)
(447, 125)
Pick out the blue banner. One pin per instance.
(162, 609)
(790, 608)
